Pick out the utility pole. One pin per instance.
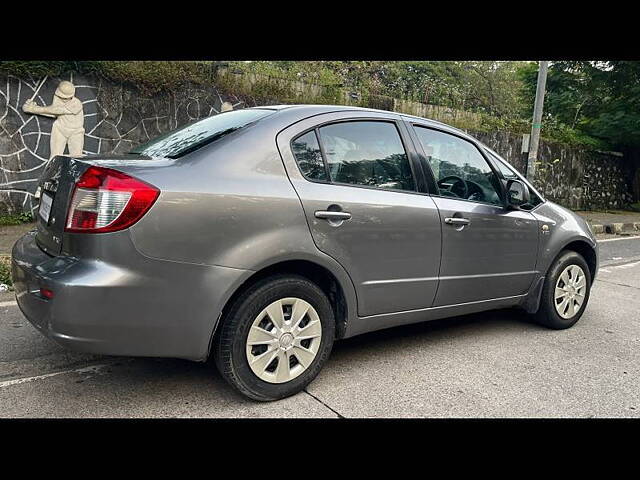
(537, 121)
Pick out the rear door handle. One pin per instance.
(457, 221)
(329, 215)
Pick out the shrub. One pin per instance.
(5, 270)
(16, 219)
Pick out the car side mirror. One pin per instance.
(517, 194)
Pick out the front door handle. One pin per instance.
(457, 221)
(329, 215)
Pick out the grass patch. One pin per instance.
(15, 219)
(150, 77)
(5, 270)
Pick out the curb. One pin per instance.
(616, 228)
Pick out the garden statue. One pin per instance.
(68, 128)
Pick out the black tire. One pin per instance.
(547, 314)
(231, 336)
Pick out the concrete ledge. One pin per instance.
(621, 228)
(616, 228)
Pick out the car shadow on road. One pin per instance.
(436, 329)
(203, 382)
(428, 331)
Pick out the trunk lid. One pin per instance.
(56, 186)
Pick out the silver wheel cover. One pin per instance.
(283, 340)
(570, 291)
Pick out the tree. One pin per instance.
(600, 99)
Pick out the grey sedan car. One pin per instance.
(260, 236)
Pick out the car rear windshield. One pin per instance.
(195, 135)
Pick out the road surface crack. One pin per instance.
(615, 283)
(88, 369)
(317, 399)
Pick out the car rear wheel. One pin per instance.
(275, 337)
(565, 293)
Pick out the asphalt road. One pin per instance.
(619, 249)
(494, 364)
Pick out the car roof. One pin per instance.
(306, 110)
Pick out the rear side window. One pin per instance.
(366, 153)
(198, 134)
(309, 157)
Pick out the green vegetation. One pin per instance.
(488, 87)
(15, 219)
(592, 104)
(5, 260)
(500, 92)
(596, 100)
(5, 270)
(451, 84)
(149, 77)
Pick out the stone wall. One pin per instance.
(573, 177)
(118, 117)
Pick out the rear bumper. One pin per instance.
(145, 307)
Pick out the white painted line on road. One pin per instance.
(18, 381)
(8, 304)
(626, 265)
(608, 268)
(618, 239)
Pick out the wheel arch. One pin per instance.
(339, 291)
(586, 250)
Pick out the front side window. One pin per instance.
(195, 135)
(368, 153)
(458, 167)
(506, 172)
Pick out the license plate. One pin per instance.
(45, 207)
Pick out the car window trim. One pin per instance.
(323, 155)
(502, 193)
(428, 179)
(317, 128)
(422, 182)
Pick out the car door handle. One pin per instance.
(457, 221)
(329, 215)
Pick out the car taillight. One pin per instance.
(105, 200)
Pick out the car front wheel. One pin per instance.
(565, 293)
(275, 338)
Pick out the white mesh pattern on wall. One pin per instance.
(116, 119)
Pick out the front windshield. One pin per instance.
(197, 134)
